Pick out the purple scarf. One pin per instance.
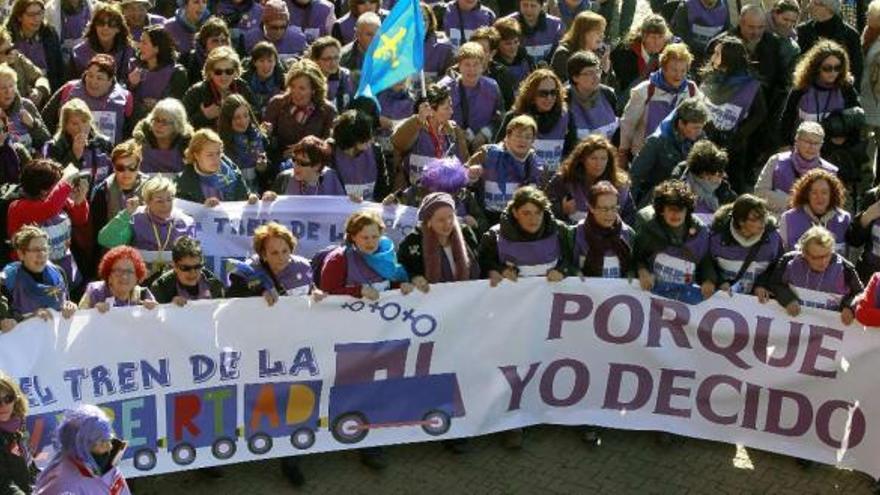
(802, 165)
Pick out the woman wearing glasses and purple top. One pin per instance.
(120, 271)
(33, 285)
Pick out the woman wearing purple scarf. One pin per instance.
(17, 469)
(783, 169)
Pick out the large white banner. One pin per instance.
(227, 230)
(229, 381)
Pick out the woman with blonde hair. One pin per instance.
(18, 472)
(209, 177)
(23, 123)
(222, 77)
(542, 97)
(301, 110)
(164, 134)
(78, 142)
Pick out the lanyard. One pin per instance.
(161, 246)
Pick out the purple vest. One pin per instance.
(785, 175)
(678, 264)
(311, 19)
(503, 174)
(661, 104)
(99, 292)
(548, 146)
(296, 278)
(108, 112)
(154, 83)
(706, 24)
(611, 263)
(73, 27)
(66, 477)
(247, 19)
(423, 151)
(459, 25)
(358, 174)
(797, 221)
(581, 196)
(160, 161)
(33, 49)
(289, 47)
(483, 102)
(728, 115)
(730, 258)
(83, 53)
(817, 103)
(181, 33)
(358, 272)
(599, 119)
(340, 89)
(540, 44)
(328, 185)
(150, 234)
(345, 26)
(438, 57)
(532, 258)
(814, 289)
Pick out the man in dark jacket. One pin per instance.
(188, 279)
(827, 23)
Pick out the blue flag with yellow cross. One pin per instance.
(397, 50)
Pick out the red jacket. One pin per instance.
(866, 312)
(36, 211)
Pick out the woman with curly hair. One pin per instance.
(637, 56)
(106, 33)
(542, 97)
(300, 111)
(671, 246)
(120, 270)
(704, 171)
(822, 87)
(593, 160)
(222, 74)
(817, 198)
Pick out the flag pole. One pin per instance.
(424, 89)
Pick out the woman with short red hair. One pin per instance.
(120, 270)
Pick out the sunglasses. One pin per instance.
(7, 399)
(126, 168)
(107, 22)
(220, 72)
(190, 268)
(548, 93)
(832, 68)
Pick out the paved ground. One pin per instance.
(553, 460)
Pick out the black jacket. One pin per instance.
(16, 476)
(165, 287)
(507, 227)
(410, 254)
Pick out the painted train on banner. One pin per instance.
(370, 391)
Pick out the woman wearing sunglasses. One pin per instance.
(310, 175)
(188, 279)
(17, 468)
(120, 271)
(822, 86)
(152, 228)
(106, 33)
(541, 97)
(221, 72)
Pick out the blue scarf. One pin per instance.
(384, 262)
(49, 295)
(667, 130)
(658, 80)
(223, 180)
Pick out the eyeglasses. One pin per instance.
(811, 143)
(548, 93)
(228, 72)
(122, 272)
(121, 167)
(110, 23)
(7, 399)
(832, 68)
(276, 27)
(161, 121)
(190, 268)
